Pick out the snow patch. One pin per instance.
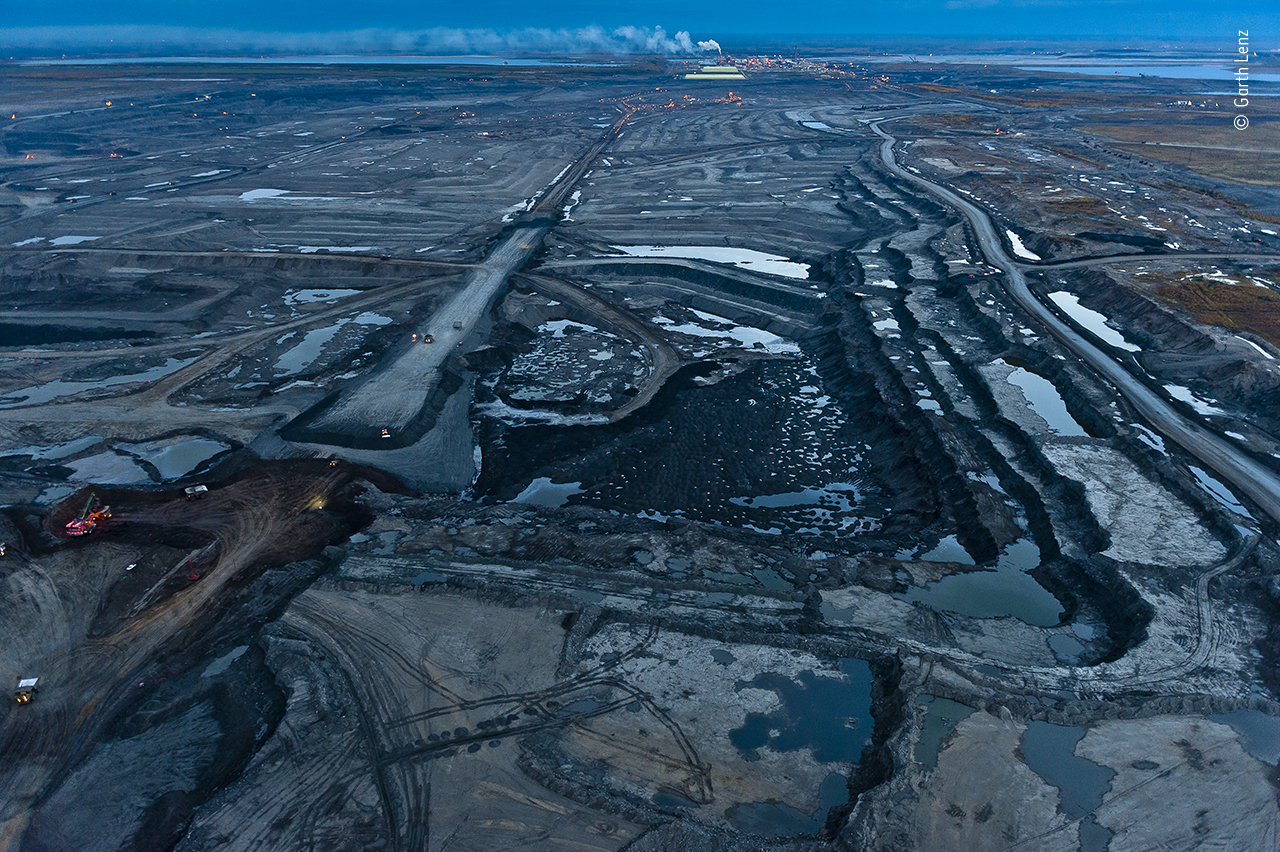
(1018, 248)
(1184, 394)
(755, 261)
(255, 194)
(1091, 320)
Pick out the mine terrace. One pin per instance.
(857, 455)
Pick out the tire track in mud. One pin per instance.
(95, 676)
(406, 815)
(401, 753)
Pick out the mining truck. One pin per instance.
(26, 690)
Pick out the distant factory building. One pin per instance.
(725, 73)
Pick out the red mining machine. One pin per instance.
(89, 517)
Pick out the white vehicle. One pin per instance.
(26, 690)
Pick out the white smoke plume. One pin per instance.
(170, 41)
(710, 45)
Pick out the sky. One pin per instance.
(503, 23)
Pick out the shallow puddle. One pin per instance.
(52, 390)
(1018, 248)
(308, 350)
(940, 721)
(1184, 394)
(1090, 320)
(948, 549)
(305, 297)
(1259, 733)
(312, 345)
(57, 451)
(107, 468)
(1006, 590)
(774, 819)
(1050, 752)
(1219, 492)
(1045, 401)
(177, 460)
(543, 492)
(830, 716)
(723, 330)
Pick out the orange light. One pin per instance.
(108, 103)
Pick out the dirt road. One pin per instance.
(392, 398)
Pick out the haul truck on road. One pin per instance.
(26, 690)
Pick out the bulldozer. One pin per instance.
(89, 516)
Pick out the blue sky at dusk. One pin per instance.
(703, 19)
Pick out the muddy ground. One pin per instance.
(748, 512)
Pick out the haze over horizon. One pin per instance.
(624, 27)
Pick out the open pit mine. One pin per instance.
(790, 455)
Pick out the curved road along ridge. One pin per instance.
(1261, 485)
